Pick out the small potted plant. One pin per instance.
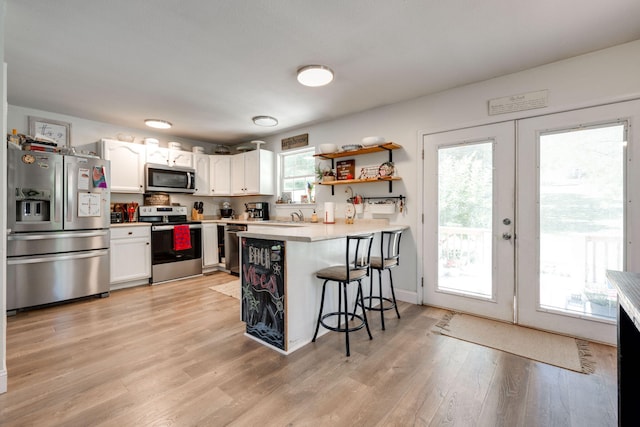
(325, 174)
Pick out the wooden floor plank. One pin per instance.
(176, 354)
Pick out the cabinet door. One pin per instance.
(157, 155)
(252, 172)
(127, 166)
(203, 186)
(180, 158)
(210, 256)
(130, 259)
(237, 174)
(220, 175)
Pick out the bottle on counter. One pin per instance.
(314, 216)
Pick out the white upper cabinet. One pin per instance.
(203, 168)
(180, 158)
(127, 165)
(220, 175)
(253, 173)
(157, 155)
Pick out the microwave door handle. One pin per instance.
(189, 180)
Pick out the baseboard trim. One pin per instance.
(3, 381)
(406, 296)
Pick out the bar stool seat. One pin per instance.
(388, 259)
(356, 268)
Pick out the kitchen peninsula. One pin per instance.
(280, 293)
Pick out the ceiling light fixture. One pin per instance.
(315, 75)
(265, 120)
(157, 123)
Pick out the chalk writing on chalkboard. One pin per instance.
(263, 290)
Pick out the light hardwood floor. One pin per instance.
(175, 354)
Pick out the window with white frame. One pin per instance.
(297, 176)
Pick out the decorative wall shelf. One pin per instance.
(386, 147)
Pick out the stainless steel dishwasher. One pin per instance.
(232, 247)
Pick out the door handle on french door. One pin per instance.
(506, 236)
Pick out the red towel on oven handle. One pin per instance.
(181, 238)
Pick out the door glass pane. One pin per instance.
(581, 218)
(465, 212)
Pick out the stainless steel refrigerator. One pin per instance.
(58, 228)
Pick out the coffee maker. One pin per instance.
(258, 211)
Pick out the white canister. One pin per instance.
(173, 145)
(329, 213)
(197, 149)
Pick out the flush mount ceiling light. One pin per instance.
(315, 75)
(157, 124)
(265, 120)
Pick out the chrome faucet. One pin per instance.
(298, 214)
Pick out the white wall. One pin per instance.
(601, 77)
(86, 131)
(3, 211)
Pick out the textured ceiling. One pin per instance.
(209, 66)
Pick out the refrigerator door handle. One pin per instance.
(58, 196)
(30, 236)
(64, 257)
(70, 194)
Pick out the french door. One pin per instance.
(523, 219)
(469, 220)
(575, 210)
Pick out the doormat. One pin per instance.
(552, 349)
(231, 289)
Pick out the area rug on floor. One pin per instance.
(552, 349)
(231, 289)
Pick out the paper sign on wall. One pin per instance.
(523, 101)
(88, 204)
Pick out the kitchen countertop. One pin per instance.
(628, 286)
(313, 232)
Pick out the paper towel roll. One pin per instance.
(329, 213)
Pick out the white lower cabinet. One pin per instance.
(210, 256)
(130, 256)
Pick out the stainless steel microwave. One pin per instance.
(170, 179)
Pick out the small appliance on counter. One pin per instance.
(258, 211)
(226, 212)
(117, 218)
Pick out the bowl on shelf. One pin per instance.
(373, 140)
(351, 147)
(327, 148)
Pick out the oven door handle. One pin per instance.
(171, 227)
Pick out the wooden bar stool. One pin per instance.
(389, 258)
(357, 267)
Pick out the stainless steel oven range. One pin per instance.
(176, 243)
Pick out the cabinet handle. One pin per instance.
(130, 233)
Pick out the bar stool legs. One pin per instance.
(356, 267)
(343, 312)
(388, 259)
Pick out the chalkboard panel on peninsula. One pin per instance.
(263, 290)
